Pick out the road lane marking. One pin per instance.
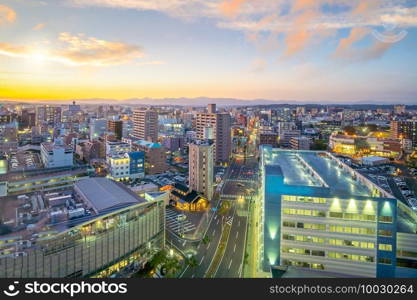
(237, 234)
(218, 222)
(214, 232)
(230, 264)
(201, 260)
(234, 249)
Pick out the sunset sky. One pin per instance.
(306, 50)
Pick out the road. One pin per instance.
(232, 262)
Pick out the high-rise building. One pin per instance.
(27, 119)
(97, 128)
(115, 126)
(319, 215)
(48, 114)
(399, 109)
(405, 130)
(201, 161)
(145, 125)
(220, 126)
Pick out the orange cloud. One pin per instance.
(304, 4)
(297, 39)
(356, 34)
(375, 51)
(7, 15)
(14, 50)
(365, 6)
(230, 8)
(347, 52)
(92, 51)
(39, 26)
(77, 50)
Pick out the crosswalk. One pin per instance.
(173, 224)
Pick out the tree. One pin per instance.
(192, 262)
(158, 258)
(171, 266)
(319, 145)
(206, 240)
(4, 229)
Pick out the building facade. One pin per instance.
(200, 174)
(98, 128)
(319, 214)
(116, 127)
(155, 156)
(405, 130)
(48, 114)
(119, 235)
(56, 155)
(145, 125)
(220, 125)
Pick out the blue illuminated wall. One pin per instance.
(386, 260)
(273, 185)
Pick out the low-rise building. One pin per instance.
(300, 143)
(107, 228)
(57, 155)
(183, 198)
(155, 156)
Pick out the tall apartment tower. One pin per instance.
(219, 124)
(405, 130)
(49, 114)
(201, 161)
(115, 126)
(145, 125)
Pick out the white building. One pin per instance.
(115, 148)
(55, 155)
(119, 166)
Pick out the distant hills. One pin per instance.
(203, 101)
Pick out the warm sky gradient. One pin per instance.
(307, 50)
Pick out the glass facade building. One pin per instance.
(320, 215)
(96, 248)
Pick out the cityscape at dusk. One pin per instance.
(208, 139)
(341, 51)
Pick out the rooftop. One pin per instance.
(147, 144)
(104, 194)
(329, 174)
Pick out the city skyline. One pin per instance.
(318, 51)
